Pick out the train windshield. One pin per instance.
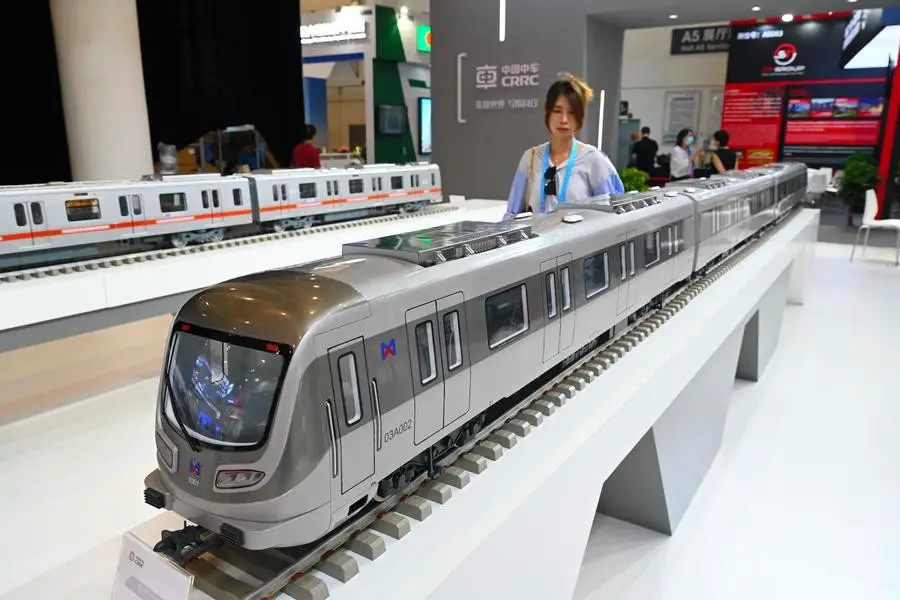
(222, 392)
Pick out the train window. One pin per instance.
(506, 315)
(452, 340)
(356, 186)
(433, 182)
(136, 205)
(328, 185)
(631, 256)
(307, 191)
(334, 185)
(397, 182)
(83, 209)
(236, 195)
(425, 352)
(350, 388)
(380, 184)
(204, 195)
(274, 193)
(596, 274)
(550, 288)
(284, 192)
(215, 195)
(622, 264)
(566, 288)
(37, 213)
(172, 202)
(651, 248)
(19, 212)
(123, 205)
(671, 242)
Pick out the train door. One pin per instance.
(350, 411)
(566, 303)
(633, 286)
(427, 370)
(624, 274)
(454, 350)
(551, 308)
(37, 214)
(138, 216)
(218, 210)
(19, 234)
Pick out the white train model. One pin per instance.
(197, 208)
(289, 399)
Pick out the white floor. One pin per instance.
(803, 501)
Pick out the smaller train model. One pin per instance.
(289, 399)
(198, 208)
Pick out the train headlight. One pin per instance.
(229, 480)
(165, 452)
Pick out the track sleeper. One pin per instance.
(307, 587)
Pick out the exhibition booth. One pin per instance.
(367, 82)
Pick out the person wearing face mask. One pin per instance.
(563, 169)
(682, 158)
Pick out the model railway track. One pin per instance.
(119, 260)
(225, 572)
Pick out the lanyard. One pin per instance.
(562, 193)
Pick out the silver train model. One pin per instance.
(197, 208)
(289, 399)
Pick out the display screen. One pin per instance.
(423, 38)
(225, 392)
(391, 120)
(424, 125)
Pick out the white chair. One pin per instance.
(869, 223)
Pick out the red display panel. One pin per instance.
(751, 114)
(832, 133)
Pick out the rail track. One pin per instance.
(118, 260)
(225, 572)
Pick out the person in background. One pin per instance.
(305, 154)
(682, 159)
(644, 152)
(563, 169)
(723, 157)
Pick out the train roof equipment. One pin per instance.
(429, 247)
(617, 203)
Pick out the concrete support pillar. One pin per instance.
(102, 80)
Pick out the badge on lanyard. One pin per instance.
(561, 198)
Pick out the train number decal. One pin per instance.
(398, 431)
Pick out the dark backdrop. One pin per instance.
(34, 149)
(210, 64)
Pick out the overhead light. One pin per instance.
(755, 9)
(502, 20)
(404, 10)
(851, 1)
(787, 17)
(673, 16)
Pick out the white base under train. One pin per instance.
(196, 208)
(291, 398)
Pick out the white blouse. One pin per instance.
(680, 162)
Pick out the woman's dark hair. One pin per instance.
(576, 91)
(309, 133)
(679, 141)
(721, 138)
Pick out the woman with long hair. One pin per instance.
(564, 168)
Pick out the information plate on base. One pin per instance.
(142, 574)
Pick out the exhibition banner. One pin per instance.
(787, 95)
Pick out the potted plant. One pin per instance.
(860, 175)
(633, 179)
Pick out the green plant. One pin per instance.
(633, 179)
(860, 175)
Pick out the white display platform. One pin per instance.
(46, 299)
(519, 529)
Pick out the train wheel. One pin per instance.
(179, 241)
(279, 227)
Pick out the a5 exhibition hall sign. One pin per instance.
(804, 51)
(701, 40)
